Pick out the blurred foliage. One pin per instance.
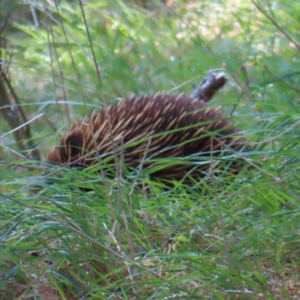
(142, 51)
(112, 241)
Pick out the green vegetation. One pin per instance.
(229, 239)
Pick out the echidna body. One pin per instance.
(142, 130)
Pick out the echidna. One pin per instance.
(170, 136)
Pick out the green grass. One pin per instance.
(226, 238)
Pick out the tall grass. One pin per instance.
(82, 236)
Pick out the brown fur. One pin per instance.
(136, 128)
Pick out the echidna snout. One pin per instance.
(69, 149)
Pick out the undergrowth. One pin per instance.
(70, 234)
